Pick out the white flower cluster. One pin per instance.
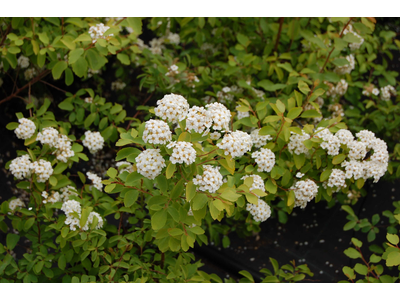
(89, 100)
(339, 90)
(173, 38)
(296, 143)
(353, 46)
(183, 152)
(346, 69)
(258, 183)
(173, 108)
(127, 167)
(210, 181)
(96, 180)
(69, 207)
(67, 191)
(265, 159)
(305, 191)
(215, 135)
(23, 62)
(299, 175)
(224, 95)
(258, 93)
(149, 163)
(357, 150)
(63, 147)
(260, 212)
(25, 129)
(20, 167)
(13, 204)
(97, 32)
(344, 136)
(236, 143)
(156, 45)
(156, 132)
(330, 142)
(259, 140)
(42, 169)
(93, 141)
(29, 74)
(370, 89)
(117, 85)
(53, 198)
(242, 114)
(90, 221)
(387, 92)
(172, 71)
(199, 120)
(48, 136)
(220, 116)
(337, 179)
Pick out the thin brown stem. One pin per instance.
(279, 33)
(53, 86)
(5, 35)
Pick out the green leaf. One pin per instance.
(244, 40)
(44, 38)
(159, 219)
(74, 55)
(392, 238)
(190, 191)
(356, 242)
(230, 194)
(89, 120)
(80, 67)
(12, 125)
(271, 186)
(85, 214)
(299, 160)
(12, 240)
(69, 77)
(338, 159)
(199, 201)
(247, 275)
(393, 259)
(251, 198)
(312, 113)
(171, 168)
(62, 262)
(58, 69)
(352, 253)
(303, 87)
(349, 272)
(39, 266)
(291, 198)
(68, 41)
(124, 59)
(130, 197)
(270, 86)
(95, 60)
(294, 112)
(325, 175)
(28, 224)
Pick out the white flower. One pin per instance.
(236, 143)
(156, 132)
(42, 169)
(173, 108)
(346, 69)
(345, 136)
(97, 32)
(13, 204)
(215, 135)
(358, 150)
(260, 212)
(183, 152)
(174, 38)
(259, 140)
(25, 129)
(387, 92)
(63, 148)
(118, 85)
(258, 183)
(305, 191)
(20, 167)
(69, 207)
(210, 181)
(172, 71)
(93, 141)
(90, 221)
(296, 143)
(367, 137)
(337, 179)
(29, 73)
(126, 167)
(241, 114)
(265, 159)
(353, 169)
(96, 180)
(199, 120)
(23, 62)
(89, 100)
(45, 194)
(149, 163)
(53, 198)
(299, 175)
(67, 191)
(48, 136)
(220, 116)
(330, 142)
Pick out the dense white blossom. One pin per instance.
(149, 163)
(183, 152)
(93, 141)
(23, 61)
(96, 180)
(299, 175)
(67, 191)
(25, 129)
(215, 135)
(69, 208)
(98, 31)
(220, 116)
(13, 204)
(90, 221)
(174, 38)
(42, 169)
(265, 159)
(260, 212)
(305, 191)
(367, 137)
(173, 108)
(236, 143)
(63, 148)
(296, 144)
(48, 136)
(353, 46)
(20, 167)
(53, 198)
(346, 69)
(156, 132)
(345, 136)
(259, 140)
(387, 92)
(357, 150)
(370, 89)
(330, 142)
(199, 120)
(258, 182)
(210, 181)
(353, 169)
(172, 71)
(337, 179)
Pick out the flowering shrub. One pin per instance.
(214, 146)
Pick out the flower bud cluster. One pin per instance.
(20, 167)
(25, 129)
(296, 143)
(198, 119)
(259, 140)
(210, 181)
(29, 74)
(339, 90)
(220, 116)
(63, 147)
(93, 141)
(265, 159)
(346, 69)
(13, 204)
(96, 180)
(156, 132)
(173, 108)
(387, 92)
(174, 38)
(97, 32)
(183, 152)
(370, 89)
(305, 191)
(260, 212)
(149, 163)
(236, 143)
(330, 142)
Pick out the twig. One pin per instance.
(5, 35)
(279, 33)
(57, 88)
